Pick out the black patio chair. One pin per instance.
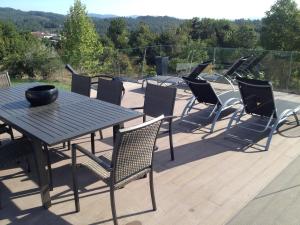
(131, 159)
(82, 84)
(165, 80)
(203, 92)
(109, 91)
(160, 100)
(13, 152)
(258, 100)
(5, 83)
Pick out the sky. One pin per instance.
(184, 9)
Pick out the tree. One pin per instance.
(140, 39)
(80, 42)
(245, 37)
(22, 53)
(281, 27)
(118, 33)
(213, 32)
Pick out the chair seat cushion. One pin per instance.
(105, 175)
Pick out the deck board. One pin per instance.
(209, 182)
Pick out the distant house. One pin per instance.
(45, 35)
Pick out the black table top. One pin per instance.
(70, 116)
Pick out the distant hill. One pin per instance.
(101, 16)
(156, 23)
(52, 22)
(32, 20)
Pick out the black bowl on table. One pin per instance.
(41, 95)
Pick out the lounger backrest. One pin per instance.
(198, 69)
(244, 67)
(235, 66)
(257, 96)
(257, 60)
(202, 90)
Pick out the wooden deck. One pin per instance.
(210, 181)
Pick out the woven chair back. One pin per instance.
(133, 150)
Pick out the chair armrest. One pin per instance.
(105, 165)
(94, 82)
(106, 76)
(99, 76)
(135, 108)
(169, 117)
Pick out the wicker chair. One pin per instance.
(132, 158)
(5, 83)
(160, 100)
(13, 152)
(108, 91)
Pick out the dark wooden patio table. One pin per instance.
(70, 116)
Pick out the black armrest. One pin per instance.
(105, 76)
(169, 117)
(105, 165)
(135, 108)
(70, 69)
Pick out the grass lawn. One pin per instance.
(59, 85)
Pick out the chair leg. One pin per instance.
(10, 131)
(75, 182)
(64, 144)
(296, 118)
(69, 145)
(218, 113)
(274, 127)
(93, 143)
(101, 134)
(113, 206)
(28, 165)
(171, 141)
(152, 190)
(49, 167)
(0, 199)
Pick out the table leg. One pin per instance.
(42, 173)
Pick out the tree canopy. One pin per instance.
(281, 27)
(80, 42)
